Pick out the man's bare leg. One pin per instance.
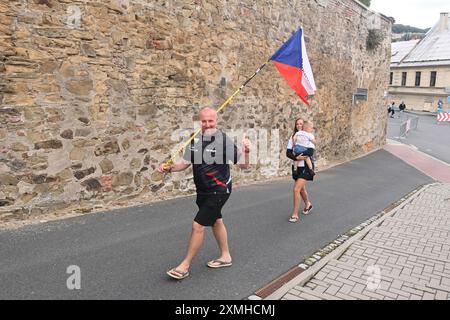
(220, 233)
(195, 243)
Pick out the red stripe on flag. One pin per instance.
(293, 76)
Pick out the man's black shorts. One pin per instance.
(210, 208)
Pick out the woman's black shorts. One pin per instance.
(302, 173)
(210, 208)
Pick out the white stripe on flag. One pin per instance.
(308, 78)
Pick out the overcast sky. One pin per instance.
(416, 13)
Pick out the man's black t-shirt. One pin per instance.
(210, 157)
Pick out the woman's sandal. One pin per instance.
(293, 219)
(307, 210)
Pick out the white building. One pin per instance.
(420, 69)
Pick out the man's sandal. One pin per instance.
(177, 274)
(219, 264)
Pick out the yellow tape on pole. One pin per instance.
(228, 100)
(171, 160)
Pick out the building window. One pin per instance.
(433, 79)
(403, 79)
(418, 74)
(391, 78)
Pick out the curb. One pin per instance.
(305, 271)
(397, 143)
(422, 113)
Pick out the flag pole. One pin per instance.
(171, 160)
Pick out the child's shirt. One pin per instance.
(304, 139)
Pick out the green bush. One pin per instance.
(374, 39)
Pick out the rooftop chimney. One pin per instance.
(443, 22)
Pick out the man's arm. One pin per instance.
(178, 166)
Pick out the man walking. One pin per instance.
(402, 108)
(392, 109)
(210, 155)
(440, 108)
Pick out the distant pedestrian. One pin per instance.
(402, 108)
(392, 109)
(440, 108)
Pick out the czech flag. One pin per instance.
(292, 62)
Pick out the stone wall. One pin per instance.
(91, 92)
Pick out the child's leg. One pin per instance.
(309, 163)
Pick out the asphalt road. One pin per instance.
(430, 137)
(123, 254)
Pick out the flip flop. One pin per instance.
(219, 264)
(293, 219)
(307, 211)
(177, 274)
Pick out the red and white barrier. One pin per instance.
(442, 117)
(408, 125)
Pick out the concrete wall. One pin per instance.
(91, 92)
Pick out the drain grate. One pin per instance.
(278, 283)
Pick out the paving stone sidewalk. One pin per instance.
(406, 257)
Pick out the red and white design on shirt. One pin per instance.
(408, 125)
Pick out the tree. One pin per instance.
(400, 28)
(365, 2)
